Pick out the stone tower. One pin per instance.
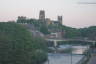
(42, 15)
(60, 19)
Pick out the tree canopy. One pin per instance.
(89, 32)
(18, 46)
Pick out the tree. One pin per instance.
(89, 32)
(70, 32)
(44, 29)
(17, 46)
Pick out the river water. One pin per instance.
(60, 58)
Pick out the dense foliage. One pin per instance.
(40, 25)
(17, 46)
(71, 32)
(44, 29)
(89, 32)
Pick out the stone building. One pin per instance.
(42, 15)
(60, 19)
(48, 21)
(21, 19)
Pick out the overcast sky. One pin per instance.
(74, 14)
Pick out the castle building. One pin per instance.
(21, 19)
(42, 15)
(48, 21)
(60, 19)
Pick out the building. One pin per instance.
(48, 21)
(55, 23)
(42, 15)
(21, 19)
(54, 35)
(60, 19)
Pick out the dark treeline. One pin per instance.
(18, 46)
(87, 33)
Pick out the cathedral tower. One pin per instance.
(42, 15)
(60, 19)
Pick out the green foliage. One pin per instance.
(70, 32)
(44, 29)
(17, 46)
(89, 32)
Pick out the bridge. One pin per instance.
(56, 40)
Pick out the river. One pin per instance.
(61, 58)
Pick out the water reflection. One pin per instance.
(67, 58)
(63, 58)
(79, 49)
(69, 49)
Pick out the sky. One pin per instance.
(75, 14)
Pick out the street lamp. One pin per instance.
(71, 54)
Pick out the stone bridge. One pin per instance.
(56, 41)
